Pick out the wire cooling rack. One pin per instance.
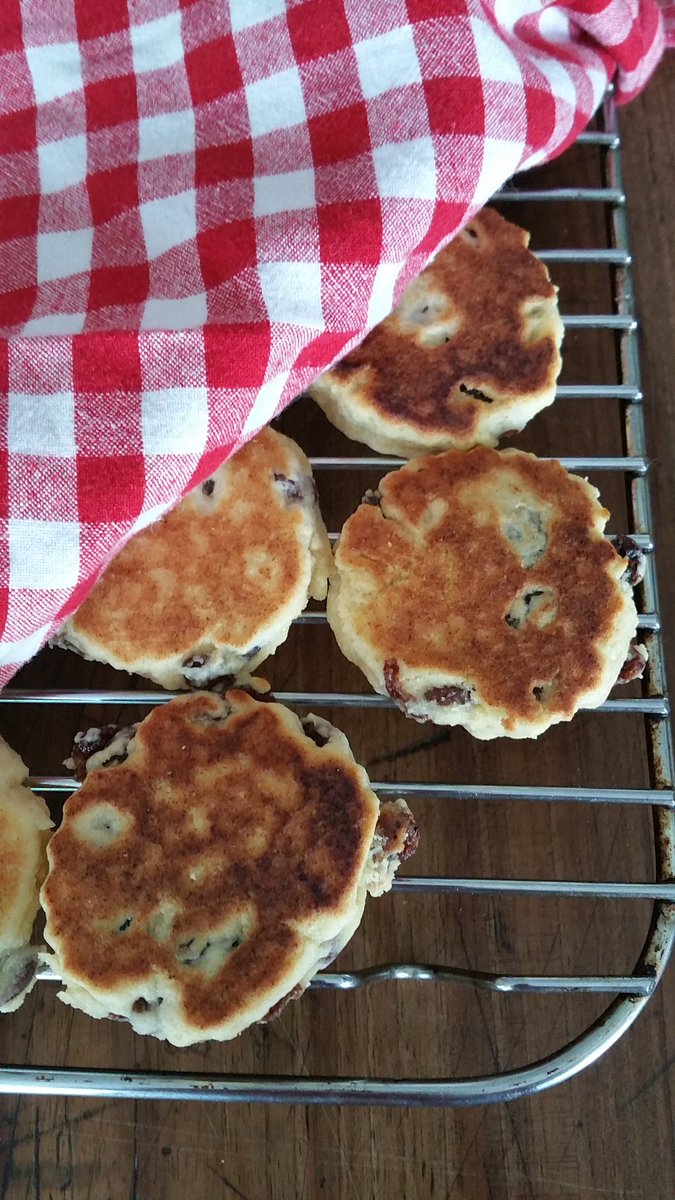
(630, 991)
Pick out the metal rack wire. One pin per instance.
(630, 992)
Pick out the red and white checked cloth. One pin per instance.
(204, 204)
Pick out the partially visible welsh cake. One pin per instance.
(210, 591)
(24, 829)
(471, 352)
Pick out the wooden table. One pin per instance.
(610, 1131)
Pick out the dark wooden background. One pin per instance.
(610, 1131)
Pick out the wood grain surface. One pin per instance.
(607, 1133)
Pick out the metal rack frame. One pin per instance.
(630, 992)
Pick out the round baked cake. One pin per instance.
(210, 591)
(477, 589)
(24, 829)
(471, 352)
(220, 860)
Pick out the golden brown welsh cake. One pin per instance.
(197, 885)
(24, 828)
(211, 589)
(470, 352)
(477, 589)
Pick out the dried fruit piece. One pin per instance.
(450, 693)
(391, 682)
(627, 548)
(634, 666)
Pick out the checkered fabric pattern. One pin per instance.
(202, 205)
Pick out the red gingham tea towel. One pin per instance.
(203, 204)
